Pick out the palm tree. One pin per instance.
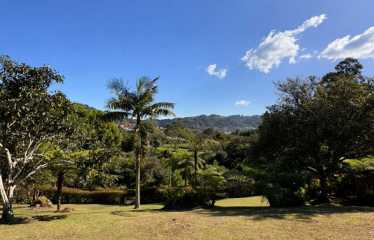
(200, 143)
(137, 106)
(186, 165)
(197, 144)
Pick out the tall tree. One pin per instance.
(319, 123)
(30, 115)
(137, 106)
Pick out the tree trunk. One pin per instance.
(185, 177)
(137, 190)
(170, 175)
(59, 184)
(324, 197)
(7, 214)
(195, 165)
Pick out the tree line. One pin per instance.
(314, 145)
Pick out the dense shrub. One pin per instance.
(101, 196)
(148, 195)
(185, 198)
(357, 188)
(239, 186)
(105, 195)
(284, 197)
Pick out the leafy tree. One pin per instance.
(318, 124)
(211, 182)
(30, 115)
(138, 106)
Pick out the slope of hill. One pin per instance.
(217, 122)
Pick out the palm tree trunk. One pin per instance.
(60, 181)
(137, 190)
(138, 157)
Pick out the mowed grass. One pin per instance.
(243, 218)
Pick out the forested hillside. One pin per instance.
(217, 122)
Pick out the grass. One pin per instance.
(243, 218)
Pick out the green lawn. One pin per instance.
(244, 218)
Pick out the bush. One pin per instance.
(104, 195)
(284, 197)
(357, 188)
(178, 198)
(239, 187)
(101, 196)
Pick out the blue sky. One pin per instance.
(90, 42)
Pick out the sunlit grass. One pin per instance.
(239, 218)
(243, 202)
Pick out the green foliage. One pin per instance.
(355, 184)
(178, 198)
(211, 181)
(284, 197)
(30, 115)
(238, 185)
(103, 196)
(361, 164)
(317, 124)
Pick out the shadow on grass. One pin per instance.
(301, 213)
(16, 221)
(25, 220)
(122, 213)
(48, 218)
(260, 213)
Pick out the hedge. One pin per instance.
(98, 196)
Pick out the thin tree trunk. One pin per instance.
(170, 174)
(324, 188)
(137, 190)
(59, 184)
(7, 214)
(185, 176)
(195, 163)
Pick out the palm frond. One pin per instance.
(115, 116)
(146, 90)
(159, 109)
(117, 86)
(124, 102)
(162, 112)
(165, 105)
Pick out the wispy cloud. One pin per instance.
(214, 71)
(359, 46)
(306, 56)
(242, 103)
(278, 46)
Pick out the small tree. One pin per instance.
(30, 115)
(137, 106)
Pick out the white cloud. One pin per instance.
(242, 103)
(306, 56)
(278, 46)
(214, 71)
(359, 46)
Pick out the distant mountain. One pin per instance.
(217, 122)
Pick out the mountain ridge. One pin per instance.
(218, 122)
